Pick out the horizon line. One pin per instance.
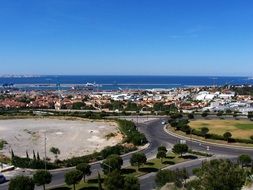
(127, 75)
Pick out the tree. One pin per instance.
(181, 176)
(73, 177)
(55, 151)
(27, 155)
(190, 116)
(180, 149)
(114, 181)
(38, 156)
(228, 111)
(162, 148)
(163, 177)
(34, 156)
(220, 113)
(250, 115)
(84, 168)
(131, 183)
(204, 131)
(204, 114)
(138, 159)
(42, 177)
(21, 183)
(161, 155)
(99, 182)
(227, 136)
(244, 160)
(12, 154)
(111, 163)
(78, 105)
(220, 174)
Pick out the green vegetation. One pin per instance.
(42, 177)
(138, 159)
(160, 106)
(81, 106)
(131, 183)
(73, 177)
(55, 151)
(31, 163)
(110, 135)
(227, 136)
(132, 134)
(130, 174)
(111, 163)
(245, 90)
(85, 169)
(2, 143)
(21, 183)
(219, 174)
(204, 131)
(239, 128)
(114, 181)
(180, 149)
(130, 131)
(244, 160)
(178, 177)
(117, 149)
(131, 106)
(243, 126)
(36, 163)
(161, 153)
(224, 130)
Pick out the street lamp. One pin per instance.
(45, 149)
(107, 166)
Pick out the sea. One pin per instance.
(121, 82)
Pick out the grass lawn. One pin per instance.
(152, 165)
(90, 185)
(240, 129)
(155, 164)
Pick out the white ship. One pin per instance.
(87, 86)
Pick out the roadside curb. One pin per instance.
(206, 142)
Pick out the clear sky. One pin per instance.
(126, 37)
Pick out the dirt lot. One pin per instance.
(72, 137)
(238, 128)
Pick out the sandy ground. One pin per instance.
(72, 137)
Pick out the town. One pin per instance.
(228, 99)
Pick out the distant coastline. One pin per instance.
(120, 82)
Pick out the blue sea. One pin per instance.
(123, 82)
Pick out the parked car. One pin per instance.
(2, 178)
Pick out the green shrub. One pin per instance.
(130, 131)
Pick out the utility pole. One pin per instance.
(108, 165)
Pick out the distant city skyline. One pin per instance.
(134, 37)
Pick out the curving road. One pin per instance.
(156, 134)
(154, 131)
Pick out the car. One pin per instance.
(163, 122)
(2, 178)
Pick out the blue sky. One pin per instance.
(126, 37)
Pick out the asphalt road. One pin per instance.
(150, 151)
(154, 131)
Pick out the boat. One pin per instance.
(88, 86)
